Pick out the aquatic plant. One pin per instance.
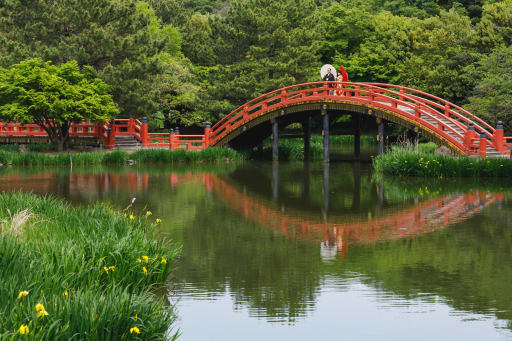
(73, 273)
(405, 162)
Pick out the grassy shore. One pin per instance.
(118, 157)
(402, 161)
(80, 273)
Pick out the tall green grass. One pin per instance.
(93, 270)
(405, 162)
(181, 155)
(118, 157)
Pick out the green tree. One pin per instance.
(117, 38)
(263, 45)
(492, 96)
(54, 97)
(439, 53)
(495, 28)
(381, 55)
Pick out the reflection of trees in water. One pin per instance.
(468, 265)
(262, 269)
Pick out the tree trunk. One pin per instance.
(59, 143)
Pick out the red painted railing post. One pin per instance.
(144, 135)
(171, 139)
(207, 134)
(283, 97)
(447, 110)
(176, 140)
(483, 144)
(469, 136)
(111, 136)
(498, 138)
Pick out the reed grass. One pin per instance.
(118, 157)
(80, 273)
(402, 161)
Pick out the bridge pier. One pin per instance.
(275, 140)
(306, 129)
(356, 119)
(380, 134)
(325, 132)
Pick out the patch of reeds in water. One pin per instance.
(80, 273)
(402, 161)
(118, 157)
(181, 155)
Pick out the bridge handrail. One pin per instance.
(282, 93)
(473, 117)
(415, 101)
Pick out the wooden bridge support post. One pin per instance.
(275, 140)
(498, 138)
(380, 135)
(207, 134)
(356, 119)
(325, 132)
(111, 137)
(306, 128)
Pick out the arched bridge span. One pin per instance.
(439, 120)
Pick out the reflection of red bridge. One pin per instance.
(428, 216)
(438, 119)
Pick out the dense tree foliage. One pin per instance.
(53, 96)
(186, 62)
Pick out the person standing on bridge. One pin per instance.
(329, 77)
(339, 80)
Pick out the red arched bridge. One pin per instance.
(439, 120)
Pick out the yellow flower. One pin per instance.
(112, 268)
(136, 317)
(146, 259)
(149, 213)
(158, 220)
(65, 293)
(134, 330)
(132, 217)
(39, 307)
(124, 215)
(23, 329)
(22, 294)
(139, 260)
(164, 261)
(42, 313)
(145, 270)
(106, 269)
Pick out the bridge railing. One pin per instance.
(363, 92)
(175, 141)
(443, 117)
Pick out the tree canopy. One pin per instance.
(54, 96)
(185, 62)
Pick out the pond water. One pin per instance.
(311, 251)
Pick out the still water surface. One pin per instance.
(310, 252)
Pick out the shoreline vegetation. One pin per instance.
(405, 161)
(9, 157)
(81, 273)
(289, 150)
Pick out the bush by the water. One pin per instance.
(118, 157)
(74, 273)
(402, 161)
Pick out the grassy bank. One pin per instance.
(118, 157)
(406, 162)
(74, 273)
